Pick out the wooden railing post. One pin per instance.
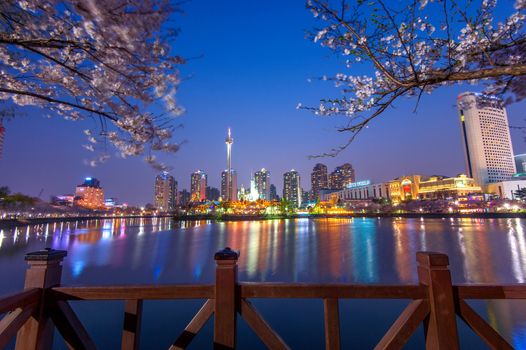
(225, 299)
(45, 270)
(441, 324)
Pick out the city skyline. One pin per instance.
(273, 134)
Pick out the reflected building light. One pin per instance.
(521, 238)
(517, 265)
(2, 236)
(77, 268)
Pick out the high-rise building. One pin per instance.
(292, 187)
(165, 192)
(305, 197)
(212, 193)
(89, 195)
(319, 180)
(198, 181)
(184, 198)
(2, 133)
(230, 192)
(486, 138)
(341, 176)
(233, 185)
(273, 193)
(262, 180)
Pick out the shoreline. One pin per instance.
(356, 215)
(10, 223)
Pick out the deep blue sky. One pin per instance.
(253, 72)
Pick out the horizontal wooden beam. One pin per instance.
(490, 291)
(331, 291)
(22, 299)
(150, 292)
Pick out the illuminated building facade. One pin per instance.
(165, 192)
(341, 176)
(262, 181)
(225, 193)
(198, 182)
(319, 180)
(361, 190)
(292, 187)
(486, 138)
(412, 187)
(404, 188)
(441, 187)
(89, 195)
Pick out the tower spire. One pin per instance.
(229, 141)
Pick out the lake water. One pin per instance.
(368, 250)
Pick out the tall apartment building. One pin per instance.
(486, 138)
(262, 179)
(319, 180)
(292, 187)
(225, 195)
(212, 193)
(341, 176)
(165, 192)
(273, 192)
(198, 182)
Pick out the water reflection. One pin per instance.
(368, 250)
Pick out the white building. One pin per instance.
(360, 190)
(506, 189)
(486, 138)
(292, 187)
(262, 180)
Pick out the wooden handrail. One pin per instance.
(146, 292)
(487, 291)
(330, 291)
(21, 299)
(434, 302)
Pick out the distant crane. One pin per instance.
(40, 193)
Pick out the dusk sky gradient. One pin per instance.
(252, 70)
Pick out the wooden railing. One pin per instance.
(33, 314)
